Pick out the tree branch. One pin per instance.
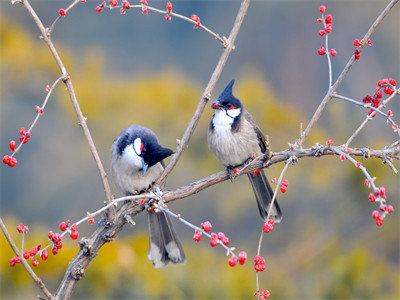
(68, 83)
(346, 69)
(206, 94)
(35, 278)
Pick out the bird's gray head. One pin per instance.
(227, 102)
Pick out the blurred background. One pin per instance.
(132, 69)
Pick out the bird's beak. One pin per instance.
(145, 167)
(216, 105)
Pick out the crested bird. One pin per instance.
(136, 163)
(234, 137)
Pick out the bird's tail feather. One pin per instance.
(264, 193)
(164, 244)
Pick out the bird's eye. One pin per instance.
(232, 107)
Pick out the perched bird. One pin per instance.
(234, 137)
(136, 164)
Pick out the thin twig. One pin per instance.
(179, 218)
(339, 80)
(82, 120)
(49, 31)
(390, 120)
(384, 102)
(38, 115)
(328, 55)
(35, 278)
(206, 94)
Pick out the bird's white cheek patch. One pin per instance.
(233, 113)
(137, 144)
(131, 157)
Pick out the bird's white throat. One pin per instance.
(130, 156)
(224, 118)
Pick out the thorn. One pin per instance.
(179, 216)
(178, 141)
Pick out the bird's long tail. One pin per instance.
(164, 242)
(264, 193)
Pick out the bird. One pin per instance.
(234, 137)
(136, 163)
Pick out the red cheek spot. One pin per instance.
(232, 107)
(141, 147)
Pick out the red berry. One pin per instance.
(328, 19)
(22, 130)
(257, 259)
(379, 221)
(321, 32)
(58, 245)
(12, 162)
(328, 28)
(74, 234)
(63, 226)
(382, 207)
(329, 142)
(45, 254)
(221, 235)
(321, 51)
(342, 157)
(319, 21)
(390, 209)
(392, 81)
(357, 55)
(54, 250)
(56, 238)
(122, 11)
(62, 12)
(356, 43)
(26, 254)
(91, 220)
(273, 180)
(382, 191)
(74, 227)
(259, 268)
(195, 18)
(265, 294)
(113, 2)
(285, 183)
(167, 17)
(268, 227)
(232, 261)
(206, 226)
(389, 112)
(388, 90)
(33, 251)
(358, 164)
(214, 236)
(366, 182)
(47, 88)
(322, 9)
(213, 242)
(6, 159)
(242, 257)
(99, 9)
(333, 52)
(385, 81)
(169, 6)
(50, 235)
(197, 236)
(19, 228)
(236, 172)
(369, 42)
(35, 262)
(225, 241)
(12, 145)
(376, 214)
(126, 4)
(283, 189)
(371, 197)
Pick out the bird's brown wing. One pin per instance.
(262, 141)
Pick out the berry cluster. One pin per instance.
(268, 226)
(357, 43)
(284, 185)
(379, 195)
(263, 295)
(259, 263)
(385, 85)
(22, 228)
(197, 20)
(327, 23)
(24, 137)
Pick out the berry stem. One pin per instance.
(369, 107)
(328, 54)
(397, 92)
(38, 115)
(35, 278)
(164, 208)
